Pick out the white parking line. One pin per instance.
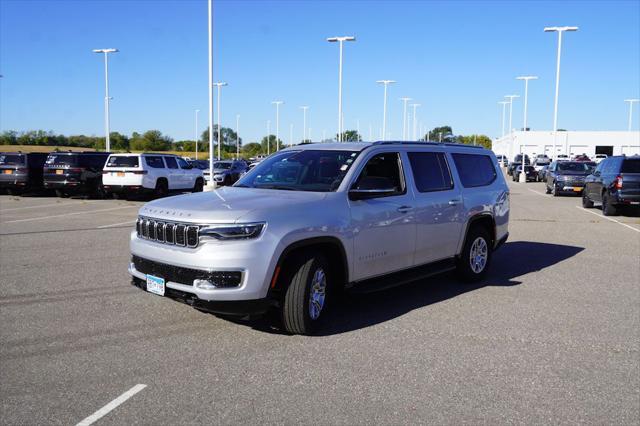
(112, 405)
(117, 224)
(47, 205)
(608, 218)
(538, 192)
(67, 214)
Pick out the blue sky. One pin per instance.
(456, 58)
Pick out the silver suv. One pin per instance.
(314, 219)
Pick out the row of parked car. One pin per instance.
(613, 182)
(105, 174)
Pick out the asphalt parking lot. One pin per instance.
(550, 337)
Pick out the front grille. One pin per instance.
(168, 233)
(177, 274)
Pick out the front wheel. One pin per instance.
(474, 260)
(306, 294)
(586, 202)
(198, 186)
(554, 190)
(162, 188)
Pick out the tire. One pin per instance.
(162, 188)
(547, 190)
(115, 196)
(554, 190)
(299, 314)
(608, 209)
(198, 186)
(61, 194)
(586, 202)
(11, 191)
(472, 268)
(227, 181)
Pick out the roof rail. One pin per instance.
(457, 145)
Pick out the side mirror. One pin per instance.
(372, 187)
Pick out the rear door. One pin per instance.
(438, 207)
(174, 174)
(187, 177)
(384, 227)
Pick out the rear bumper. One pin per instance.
(622, 197)
(127, 189)
(14, 183)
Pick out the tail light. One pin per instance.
(618, 182)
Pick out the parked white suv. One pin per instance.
(125, 174)
(312, 219)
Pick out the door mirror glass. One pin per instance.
(372, 187)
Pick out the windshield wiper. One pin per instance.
(242, 185)
(285, 188)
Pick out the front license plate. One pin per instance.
(577, 189)
(7, 172)
(120, 174)
(155, 285)
(59, 172)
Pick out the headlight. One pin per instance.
(240, 231)
(562, 177)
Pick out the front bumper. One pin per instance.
(570, 187)
(233, 307)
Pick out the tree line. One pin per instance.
(154, 140)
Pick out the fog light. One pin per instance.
(204, 285)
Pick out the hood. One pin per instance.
(224, 205)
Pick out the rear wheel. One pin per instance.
(586, 202)
(162, 188)
(198, 186)
(60, 193)
(115, 196)
(608, 209)
(474, 260)
(547, 190)
(305, 298)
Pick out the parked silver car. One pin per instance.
(315, 218)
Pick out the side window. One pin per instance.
(171, 162)
(382, 171)
(154, 162)
(474, 169)
(183, 164)
(430, 171)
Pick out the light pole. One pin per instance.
(106, 93)
(631, 101)
(384, 106)
(414, 120)
(341, 41)
(370, 133)
(404, 117)
(277, 104)
(304, 109)
(237, 136)
(291, 134)
(504, 108)
(511, 97)
(196, 133)
(219, 86)
(211, 183)
(559, 30)
(523, 174)
(268, 137)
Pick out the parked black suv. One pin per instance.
(21, 172)
(75, 172)
(614, 183)
(566, 177)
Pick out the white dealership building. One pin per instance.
(568, 142)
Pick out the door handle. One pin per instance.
(454, 202)
(404, 209)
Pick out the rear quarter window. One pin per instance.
(630, 166)
(474, 169)
(154, 161)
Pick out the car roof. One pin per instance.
(360, 146)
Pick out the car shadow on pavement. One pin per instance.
(353, 311)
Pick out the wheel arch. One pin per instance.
(485, 220)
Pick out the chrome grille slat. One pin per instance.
(170, 233)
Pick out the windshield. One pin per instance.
(573, 167)
(308, 170)
(122, 161)
(222, 165)
(11, 159)
(63, 159)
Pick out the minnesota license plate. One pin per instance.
(577, 189)
(59, 172)
(7, 172)
(120, 174)
(155, 285)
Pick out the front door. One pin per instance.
(384, 226)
